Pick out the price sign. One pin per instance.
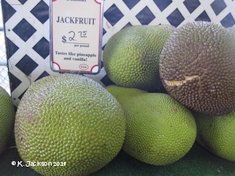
(76, 34)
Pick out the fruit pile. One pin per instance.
(171, 88)
(196, 66)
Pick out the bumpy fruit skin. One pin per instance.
(159, 130)
(131, 56)
(72, 119)
(217, 134)
(7, 116)
(197, 67)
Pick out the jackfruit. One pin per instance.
(7, 117)
(68, 120)
(159, 130)
(197, 67)
(217, 134)
(131, 56)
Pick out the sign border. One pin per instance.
(101, 3)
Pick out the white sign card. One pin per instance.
(76, 35)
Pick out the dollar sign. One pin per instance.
(64, 39)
